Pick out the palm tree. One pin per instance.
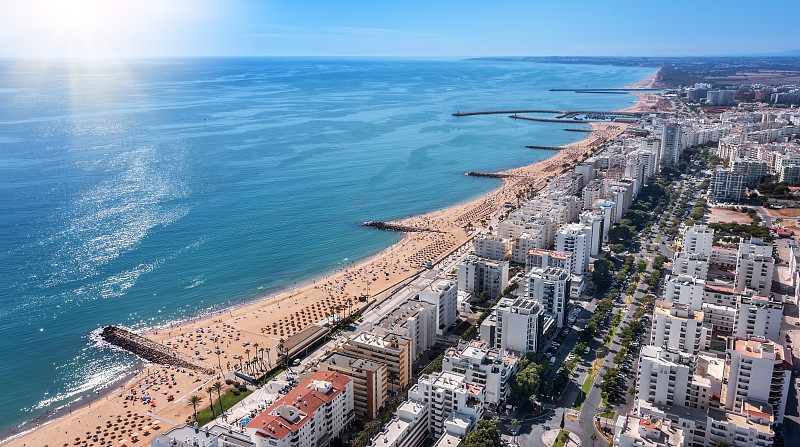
(593, 438)
(255, 345)
(218, 386)
(194, 399)
(247, 351)
(280, 349)
(267, 350)
(211, 399)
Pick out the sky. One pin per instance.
(430, 28)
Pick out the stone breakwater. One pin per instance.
(152, 351)
(399, 228)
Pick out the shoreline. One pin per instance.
(313, 298)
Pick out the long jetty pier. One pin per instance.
(558, 113)
(150, 350)
(552, 120)
(506, 112)
(604, 90)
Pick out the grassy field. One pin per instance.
(228, 400)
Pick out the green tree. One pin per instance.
(193, 401)
(602, 273)
(211, 399)
(486, 435)
(593, 437)
(218, 386)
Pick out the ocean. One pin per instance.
(140, 192)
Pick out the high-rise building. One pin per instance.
(577, 240)
(759, 370)
(491, 247)
(549, 287)
(415, 320)
(476, 276)
(392, 350)
(518, 326)
(454, 404)
(671, 144)
(484, 365)
(443, 294)
(759, 317)
(370, 381)
(676, 326)
(697, 240)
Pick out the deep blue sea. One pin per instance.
(141, 192)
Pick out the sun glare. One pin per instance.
(105, 28)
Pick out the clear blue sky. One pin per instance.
(394, 28)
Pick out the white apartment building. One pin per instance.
(310, 415)
(213, 436)
(595, 221)
(672, 144)
(449, 398)
(577, 240)
(720, 295)
(407, 428)
(754, 271)
(759, 317)
(666, 377)
(481, 364)
(476, 275)
(491, 247)
(647, 431)
(685, 290)
(720, 318)
(750, 427)
(759, 370)
(415, 320)
(537, 258)
(756, 246)
(443, 294)
(676, 326)
(697, 240)
(592, 192)
(522, 245)
(690, 264)
(549, 287)
(518, 326)
(608, 210)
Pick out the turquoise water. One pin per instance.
(142, 192)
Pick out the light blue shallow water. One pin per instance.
(142, 192)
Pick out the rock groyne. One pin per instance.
(388, 226)
(150, 350)
(486, 174)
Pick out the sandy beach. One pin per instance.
(256, 328)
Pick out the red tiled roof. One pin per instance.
(305, 399)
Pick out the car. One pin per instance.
(296, 362)
(586, 350)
